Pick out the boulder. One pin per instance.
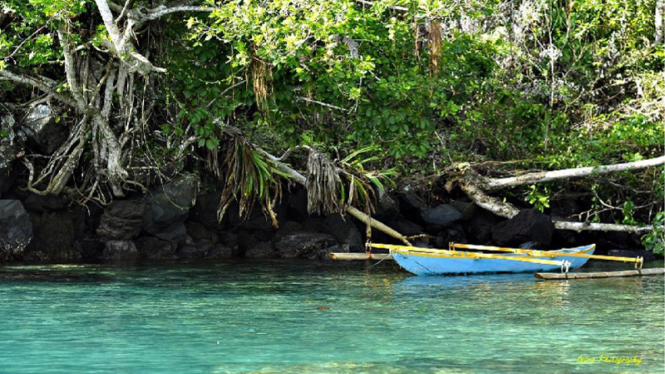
(122, 220)
(169, 208)
(466, 208)
(412, 205)
(15, 229)
(89, 247)
(194, 252)
(479, 228)
(297, 205)
(43, 130)
(229, 239)
(404, 226)
(344, 231)
(527, 225)
(261, 250)
(46, 203)
(53, 238)
(153, 248)
(303, 244)
(198, 232)
(120, 250)
(386, 207)
(322, 254)
(455, 234)
(205, 211)
(440, 217)
(219, 251)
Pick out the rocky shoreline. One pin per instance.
(179, 222)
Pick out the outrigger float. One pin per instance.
(428, 261)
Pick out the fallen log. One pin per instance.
(602, 274)
(476, 187)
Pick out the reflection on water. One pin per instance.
(309, 317)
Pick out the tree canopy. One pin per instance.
(147, 90)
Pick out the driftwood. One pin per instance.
(476, 187)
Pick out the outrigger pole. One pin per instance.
(639, 261)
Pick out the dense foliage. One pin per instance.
(530, 84)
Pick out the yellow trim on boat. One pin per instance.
(550, 254)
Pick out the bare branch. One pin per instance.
(321, 103)
(530, 178)
(42, 83)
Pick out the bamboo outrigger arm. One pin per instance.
(639, 261)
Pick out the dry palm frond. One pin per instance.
(323, 185)
(248, 176)
(331, 187)
(261, 78)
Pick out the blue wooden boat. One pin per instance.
(425, 261)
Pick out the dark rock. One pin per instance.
(467, 209)
(86, 219)
(440, 217)
(15, 229)
(120, 250)
(315, 224)
(454, 234)
(646, 255)
(564, 209)
(53, 238)
(527, 225)
(229, 239)
(8, 178)
(122, 220)
(42, 204)
(261, 250)
(532, 245)
(297, 204)
(190, 252)
(322, 254)
(404, 226)
(169, 208)
(219, 251)
(479, 229)
(386, 207)
(41, 128)
(256, 220)
(153, 248)
(344, 231)
(246, 241)
(199, 232)
(303, 244)
(205, 211)
(89, 247)
(411, 201)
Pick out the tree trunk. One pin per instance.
(659, 34)
(474, 186)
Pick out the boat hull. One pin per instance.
(421, 263)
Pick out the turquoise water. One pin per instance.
(309, 317)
